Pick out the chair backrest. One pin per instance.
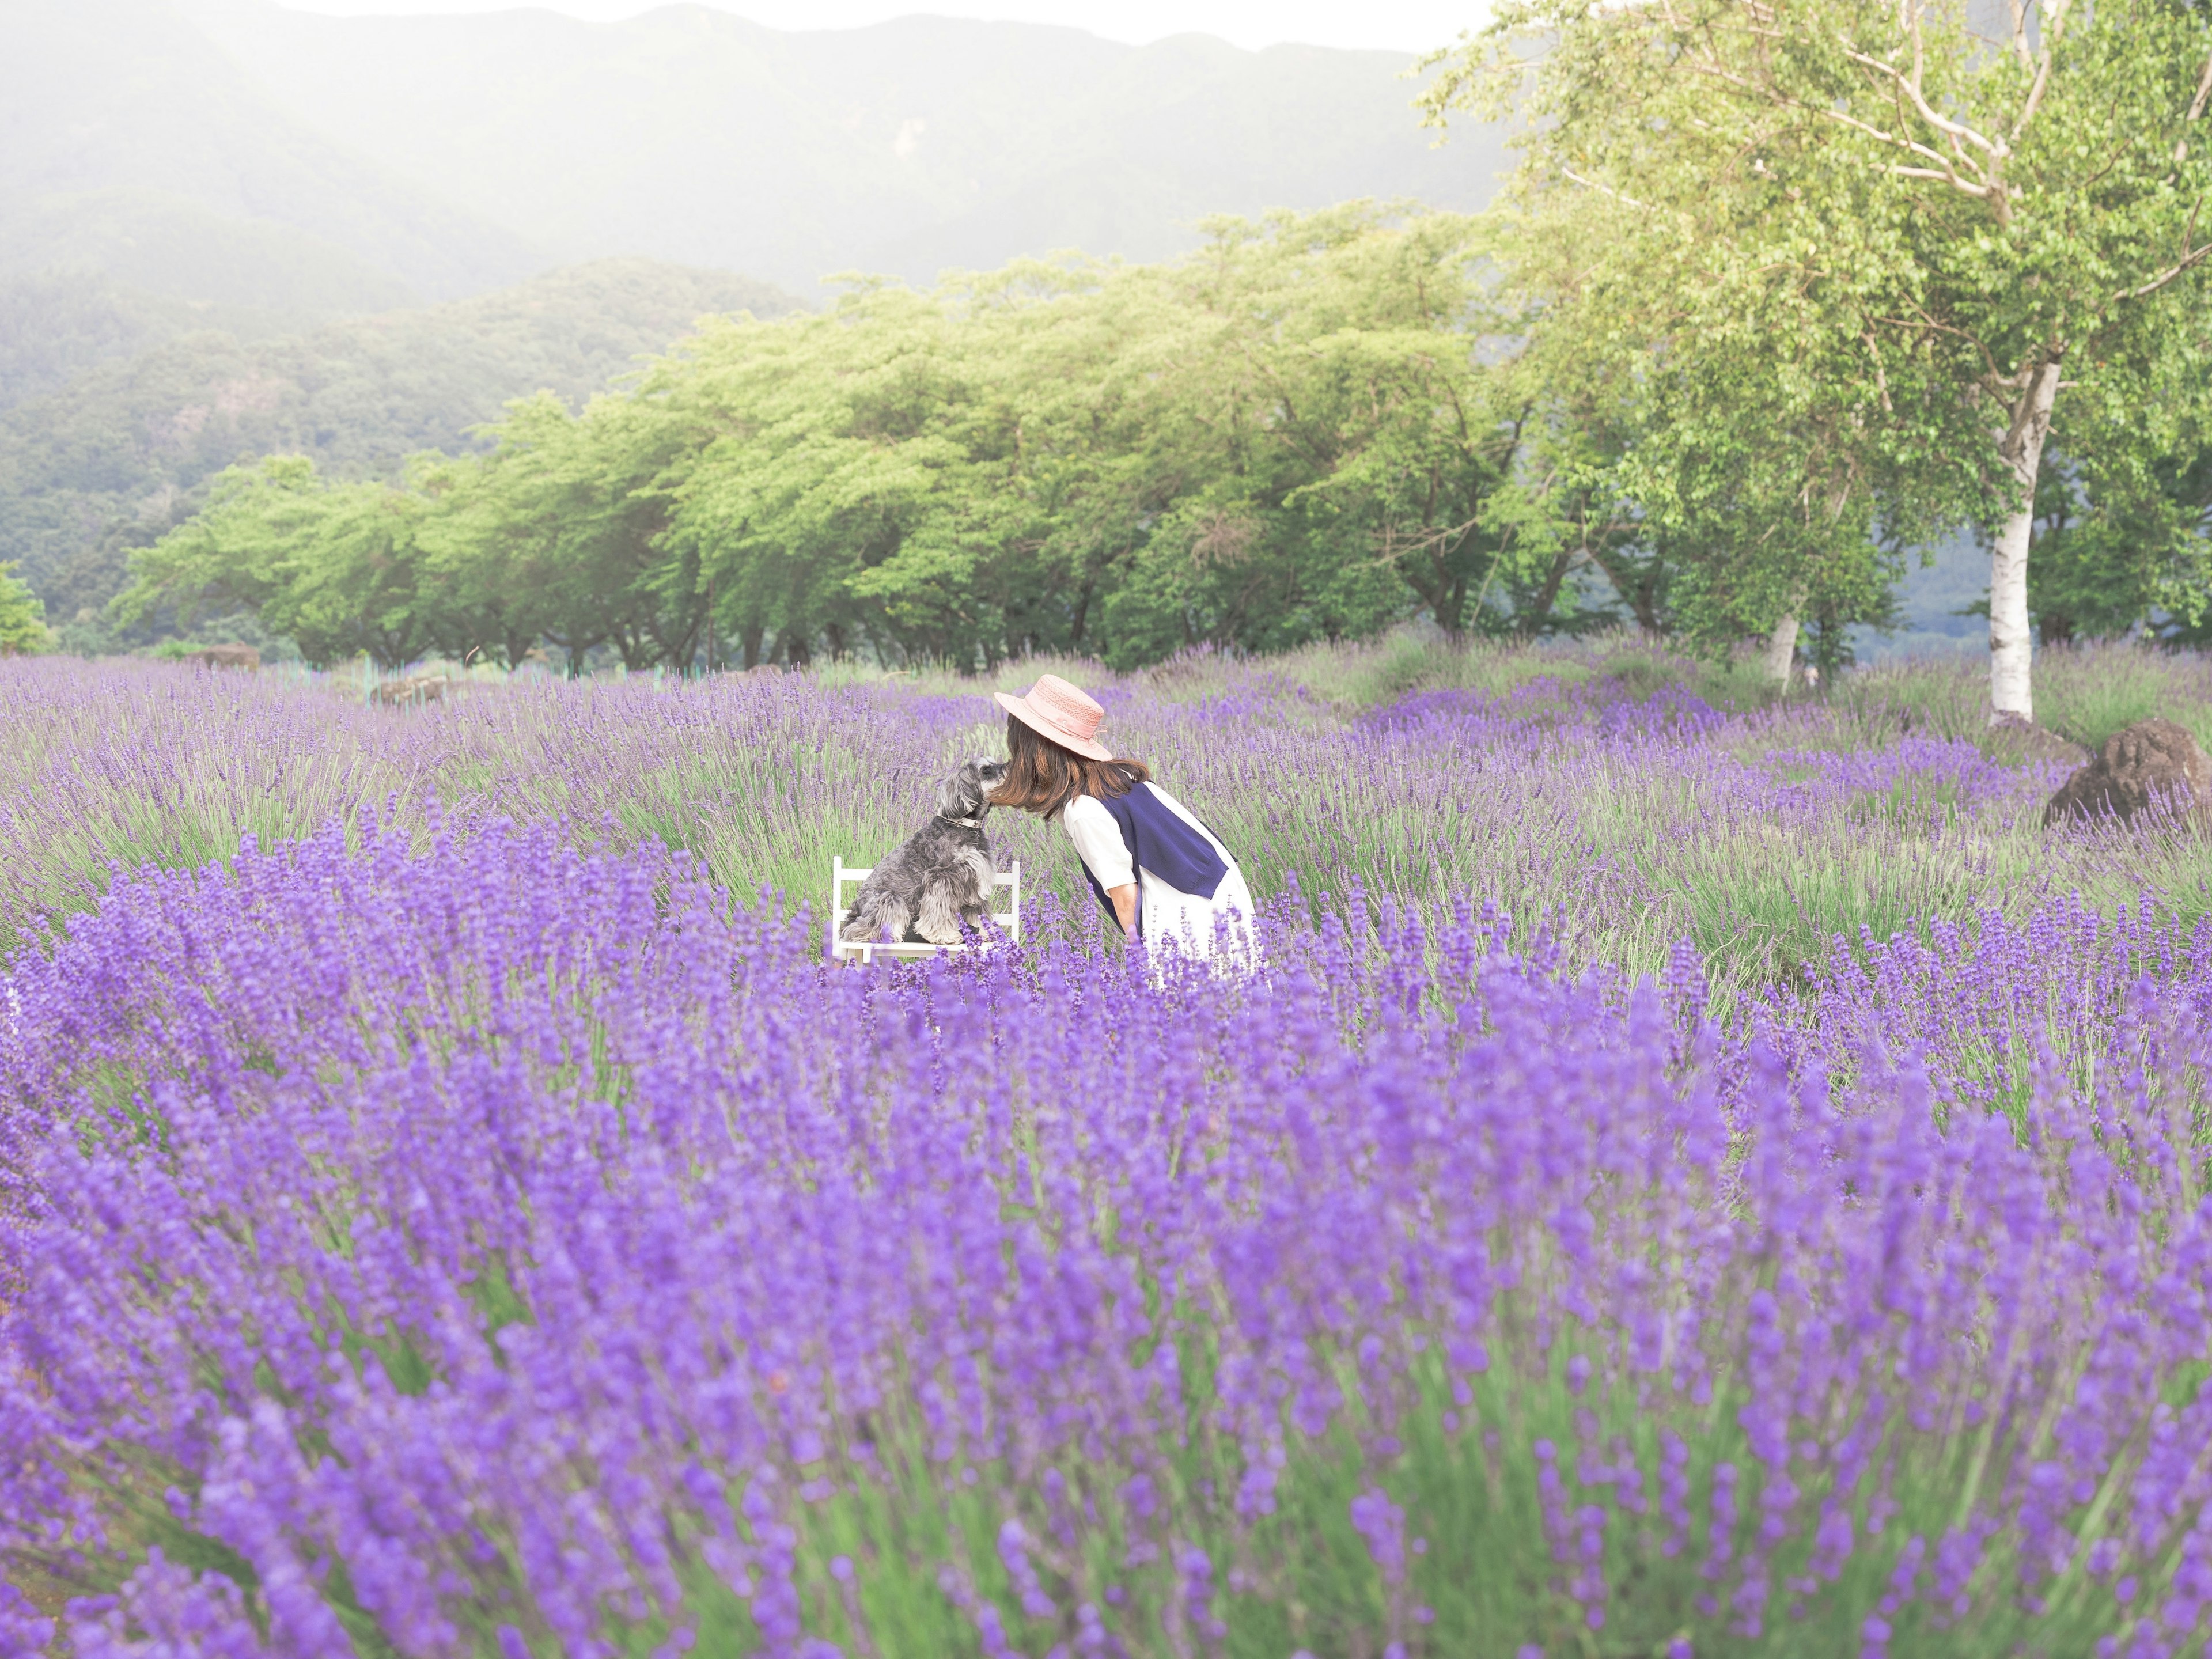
(1008, 881)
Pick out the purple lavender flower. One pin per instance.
(488, 1232)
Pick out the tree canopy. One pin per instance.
(22, 618)
(1316, 425)
(1880, 239)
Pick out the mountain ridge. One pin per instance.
(125, 105)
(901, 149)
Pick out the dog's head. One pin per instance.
(966, 793)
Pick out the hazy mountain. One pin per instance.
(130, 145)
(122, 452)
(57, 323)
(902, 149)
(55, 326)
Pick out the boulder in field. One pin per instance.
(2152, 761)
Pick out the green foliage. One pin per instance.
(22, 618)
(1294, 435)
(55, 326)
(1855, 243)
(337, 568)
(187, 261)
(1732, 474)
(2124, 509)
(1780, 292)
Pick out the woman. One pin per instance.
(1159, 873)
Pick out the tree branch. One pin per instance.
(1880, 380)
(1997, 376)
(1907, 83)
(2025, 411)
(2020, 33)
(2054, 24)
(2190, 258)
(1941, 176)
(2034, 93)
(2196, 110)
(1607, 190)
(1948, 174)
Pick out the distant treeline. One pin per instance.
(1293, 434)
(1315, 427)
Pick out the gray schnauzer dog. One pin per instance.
(941, 877)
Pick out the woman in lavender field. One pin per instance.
(1159, 872)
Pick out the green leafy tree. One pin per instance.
(336, 567)
(2123, 501)
(1390, 431)
(237, 554)
(99, 466)
(22, 618)
(833, 499)
(1989, 218)
(1763, 499)
(1287, 436)
(1723, 479)
(559, 534)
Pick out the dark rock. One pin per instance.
(2152, 761)
(227, 656)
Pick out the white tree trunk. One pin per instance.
(1782, 647)
(2011, 694)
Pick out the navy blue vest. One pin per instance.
(1163, 843)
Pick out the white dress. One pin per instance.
(1167, 913)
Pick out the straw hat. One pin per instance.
(1064, 713)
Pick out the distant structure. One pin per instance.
(227, 656)
(415, 690)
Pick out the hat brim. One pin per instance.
(1090, 748)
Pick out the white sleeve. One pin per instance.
(1098, 843)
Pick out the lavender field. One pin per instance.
(1690, 1178)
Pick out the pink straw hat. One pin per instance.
(1064, 713)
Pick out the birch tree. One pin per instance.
(1993, 209)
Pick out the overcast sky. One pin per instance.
(1407, 26)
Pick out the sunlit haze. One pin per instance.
(1407, 26)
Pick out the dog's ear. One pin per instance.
(955, 795)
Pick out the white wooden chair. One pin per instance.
(841, 874)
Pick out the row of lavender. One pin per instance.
(497, 1249)
(1642, 819)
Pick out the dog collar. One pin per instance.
(962, 823)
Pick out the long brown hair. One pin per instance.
(1042, 776)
